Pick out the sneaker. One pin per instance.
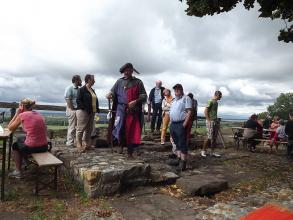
(162, 143)
(216, 155)
(203, 153)
(15, 174)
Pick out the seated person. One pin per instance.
(279, 135)
(35, 139)
(273, 128)
(289, 133)
(252, 130)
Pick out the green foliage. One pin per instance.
(262, 115)
(282, 106)
(274, 9)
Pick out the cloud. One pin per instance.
(43, 44)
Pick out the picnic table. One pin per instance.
(238, 136)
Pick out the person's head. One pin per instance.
(26, 104)
(167, 92)
(190, 95)
(76, 80)
(276, 118)
(158, 83)
(178, 90)
(253, 117)
(291, 115)
(89, 80)
(127, 70)
(218, 95)
(281, 122)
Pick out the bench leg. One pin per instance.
(55, 177)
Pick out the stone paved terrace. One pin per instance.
(103, 172)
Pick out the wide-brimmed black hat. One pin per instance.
(128, 65)
(178, 86)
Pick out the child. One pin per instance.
(279, 134)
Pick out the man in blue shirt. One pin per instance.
(180, 116)
(71, 106)
(155, 102)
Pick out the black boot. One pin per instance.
(172, 156)
(173, 162)
(182, 166)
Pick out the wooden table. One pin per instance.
(4, 136)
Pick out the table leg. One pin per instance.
(3, 170)
(9, 150)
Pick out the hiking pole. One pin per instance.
(110, 126)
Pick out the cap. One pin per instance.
(127, 65)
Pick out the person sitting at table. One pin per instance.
(35, 139)
(289, 133)
(280, 135)
(252, 130)
(273, 127)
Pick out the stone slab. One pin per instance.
(202, 184)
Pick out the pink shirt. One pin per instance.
(33, 124)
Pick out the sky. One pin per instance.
(44, 43)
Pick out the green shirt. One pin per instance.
(212, 107)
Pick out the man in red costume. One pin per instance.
(128, 94)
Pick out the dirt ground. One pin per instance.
(250, 176)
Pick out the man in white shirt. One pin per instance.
(180, 116)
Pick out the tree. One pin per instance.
(274, 9)
(262, 115)
(282, 106)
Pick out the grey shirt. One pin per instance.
(71, 93)
(157, 95)
(178, 109)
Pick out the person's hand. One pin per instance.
(20, 109)
(184, 124)
(109, 95)
(132, 104)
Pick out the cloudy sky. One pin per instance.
(44, 43)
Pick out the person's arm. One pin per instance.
(19, 110)
(188, 117)
(188, 109)
(97, 105)
(68, 98)
(141, 98)
(79, 99)
(206, 110)
(13, 125)
(206, 113)
(69, 103)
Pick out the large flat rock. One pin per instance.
(153, 206)
(104, 173)
(201, 184)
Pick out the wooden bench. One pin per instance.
(268, 140)
(46, 160)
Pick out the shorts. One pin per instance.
(212, 129)
(178, 133)
(19, 145)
